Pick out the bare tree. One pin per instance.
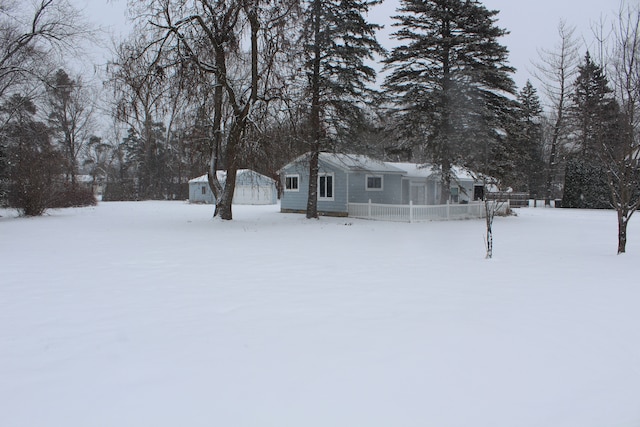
(209, 38)
(33, 35)
(140, 92)
(70, 107)
(556, 71)
(621, 152)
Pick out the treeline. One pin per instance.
(207, 85)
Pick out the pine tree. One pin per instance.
(336, 41)
(590, 111)
(527, 136)
(592, 114)
(450, 78)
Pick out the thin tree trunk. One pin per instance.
(622, 233)
(552, 159)
(489, 210)
(312, 200)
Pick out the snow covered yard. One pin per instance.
(153, 314)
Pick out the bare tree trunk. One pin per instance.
(553, 152)
(622, 161)
(556, 71)
(489, 215)
(445, 188)
(623, 220)
(312, 200)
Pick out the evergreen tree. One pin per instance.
(33, 165)
(528, 138)
(450, 78)
(593, 116)
(591, 109)
(336, 41)
(148, 155)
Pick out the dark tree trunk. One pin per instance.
(312, 200)
(622, 233)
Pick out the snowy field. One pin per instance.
(153, 314)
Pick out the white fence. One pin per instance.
(413, 213)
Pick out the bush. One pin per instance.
(73, 196)
(585, 185)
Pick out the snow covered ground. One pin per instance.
(153, 314)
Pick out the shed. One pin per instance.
(252, 188)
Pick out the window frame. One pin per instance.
(366, 182)
(333, 186)
(297, 180)
(455, 198)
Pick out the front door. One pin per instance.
(418, 194)
(478, 192)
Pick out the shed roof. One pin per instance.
(222, 175)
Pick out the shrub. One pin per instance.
(73, 196)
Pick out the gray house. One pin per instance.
(351, 178)
(252, 188)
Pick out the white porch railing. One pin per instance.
(414, 213)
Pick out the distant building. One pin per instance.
(252, 188)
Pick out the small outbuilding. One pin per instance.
(252, 188)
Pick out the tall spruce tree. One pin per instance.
(528, 137)
(592, 115)
(450, 79)
(336, 40)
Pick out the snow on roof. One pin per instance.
(202, 178)
(414, 170)
(358, 162)
(222, 175)
(417, 170)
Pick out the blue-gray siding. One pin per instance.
(297, 200)
(391, 189)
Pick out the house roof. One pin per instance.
(358, 162)
(361, 163)
(350, 162)
(415, 170)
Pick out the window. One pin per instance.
(291, 182)
(325, 186)
(455, 194)
(204, 190)
(374, 183)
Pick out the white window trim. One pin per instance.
(333, 187)
(292, 175)
(366, 182)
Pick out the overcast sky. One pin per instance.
(533, 24)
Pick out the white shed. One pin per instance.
(252, 188)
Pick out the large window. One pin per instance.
(291, 182)
(374, 183)
(325, 186)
